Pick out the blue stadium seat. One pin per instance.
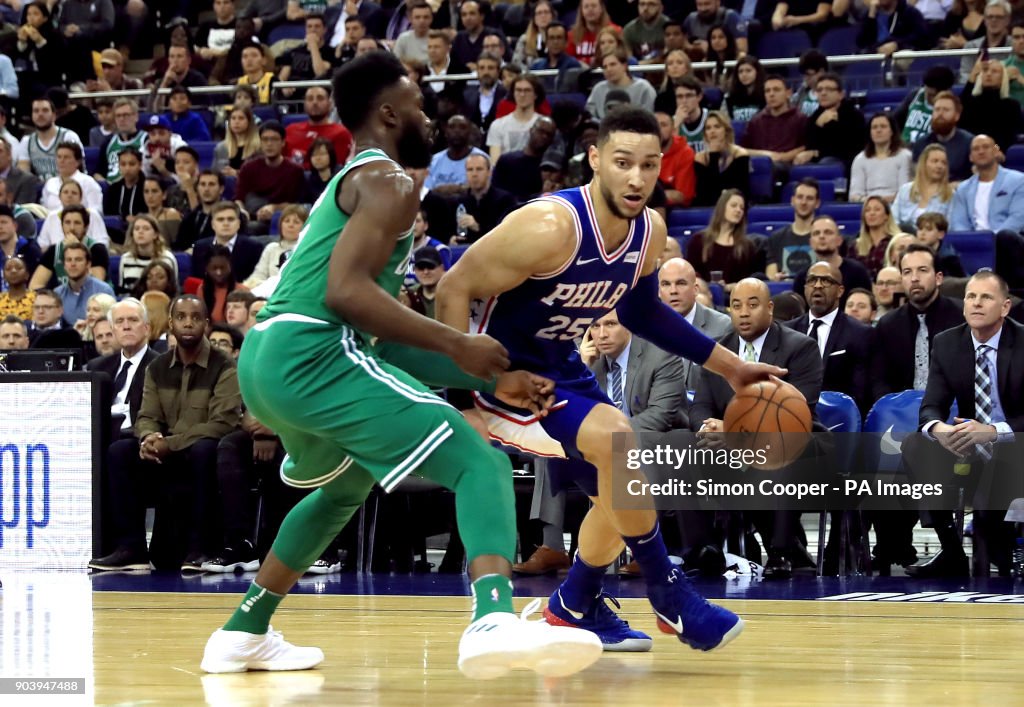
(577, 99)
(286, 31)
(842, 211)
(712, 97)
(863, 76)
(839, 40)
(849, 229)
(760, 179)
(457, 251)
(872, 109)
(717, 293)
(275, 224)
(293, 118)
(92, 160)
(205, 150)
(739, 127)
(818, 171)
(777, 288)
(783, 44)
(977, 249)
(265, 113)
(184, 266)
(767, 227)
(690, 217)
(208, 117)
(1015, 158)
(838, 411)
(113, 222)
(114, 271)
(891, 419)
(781, 213)
(892, 96)
(229, 188)
(920, 65)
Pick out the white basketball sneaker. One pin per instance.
(238, 651)
(499, 642)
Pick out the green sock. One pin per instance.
(253, 614)
(491, 593)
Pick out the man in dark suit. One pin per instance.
(487, 95)
(245, 252)
(374, 19)
(900, 362)
(980, 366)
(677, 287)
(486, 205)
(757, 338)
(126, 366)
(22, 187)
(845, 344)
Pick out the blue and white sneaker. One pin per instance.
(683, 611)
(614, 632)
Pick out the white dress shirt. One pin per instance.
(120, 404)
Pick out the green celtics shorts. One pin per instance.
(334, 404)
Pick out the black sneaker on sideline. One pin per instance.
(193, 563)
(229, 559)
(121, 559)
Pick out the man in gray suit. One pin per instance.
(22, 187)
(678, 289)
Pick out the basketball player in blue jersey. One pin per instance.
(537, 281)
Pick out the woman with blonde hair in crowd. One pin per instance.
(96, 307)
(591, 18)
(293, 218)
(158, 306)
(241, 142)
(877, 228)
(677, 65)
(723, 165)
(530, 46)
(930, 190)
(143, 244)
(897, 247)
(723, 252)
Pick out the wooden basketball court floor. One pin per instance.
(837, 643)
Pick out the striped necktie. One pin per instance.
(615, 370)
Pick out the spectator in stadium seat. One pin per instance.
(988, 107)
(931, 231)
(1015, 62)
(930, 191)
(255, 73)
(591, 18)
(40, 50)
(312, 60)
(78, 284)
(270, 182)
(179, 73)
(236, 312)
(468, 42)
(37, 151)
(915, 111)
(722, 164)
(84, 24)
(185, 121)
(677, 175)
(964, 21)
(645, 34)
(883, 166)
(411, 44)
(555, 40)
(197, 224)
(697, 26)
(677, 65)
(779, 131)
(355, 32)
(244, 251)
(124, 196)
(215, 37)
(809, 15)
(813, 65)
(997, 34)
(22, 187)
(96, 308)
(144, 244)
(861, 305)
(103, 338)
(888, 284)
(486, 205)
(275, 253)
(180, 431)
(8, 137)
(532, 43)
(897, 247)
(826, 242)
(441, 62)
(877, 228)
(724, 246)
(47, 315)
(480, 102)
(745, 97)
(511, 132)
(496, 44)
(241, 142)
(946, 111)
(13, 333)
(323, 165)
(113, 79)
(892, 25)
(519, 172)
(835, 132)
(265, 14)
(54, 230)
(182, 195)
(159, 147)
(300, 136)
(127, 134)
(689, 117)
(616, 76)
(157, 277)
(154, 193)
(69, 167)
(74, 221)
(788, 249)
(17, 299)
(23, 218)
(14, 246)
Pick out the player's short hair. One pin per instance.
(629, 119)
(359, 83)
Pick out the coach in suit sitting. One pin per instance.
(980, 366)
(245, 252)
(757, 338)
(844, 343)
(677, 287)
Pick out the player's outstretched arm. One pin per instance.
(382, 202)
(537, 238)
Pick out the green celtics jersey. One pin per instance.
(919, 119)
(110, 165)
(303, 284)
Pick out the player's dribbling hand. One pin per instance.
(747, 373)
(526, 390)
(481, 356)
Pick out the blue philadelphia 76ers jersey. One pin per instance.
(539, 320)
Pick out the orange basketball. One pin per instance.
(771, 417)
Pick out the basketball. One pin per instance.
(769, 416)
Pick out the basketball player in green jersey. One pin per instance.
(330, 367)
